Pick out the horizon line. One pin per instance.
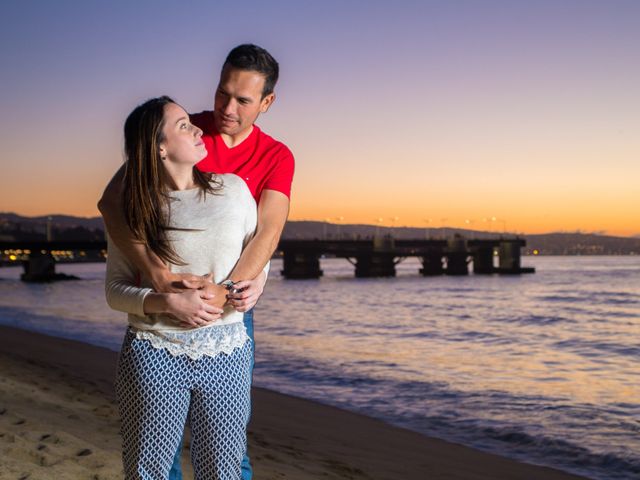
(602, 233)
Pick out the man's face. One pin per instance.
(239, 100)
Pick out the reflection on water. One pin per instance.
(542, 367)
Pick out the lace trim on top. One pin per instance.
(198, 342)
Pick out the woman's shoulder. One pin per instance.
(230, 178)
(231, 181)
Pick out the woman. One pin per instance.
(168, 371)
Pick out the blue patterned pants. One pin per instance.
(247, 471)
(158, 393)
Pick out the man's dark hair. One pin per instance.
(256, 59)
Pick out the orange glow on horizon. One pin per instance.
(472, 211)
(521, 227)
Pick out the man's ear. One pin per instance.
(266, 102)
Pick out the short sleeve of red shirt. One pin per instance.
(282, 175)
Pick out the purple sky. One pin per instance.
(451, 111)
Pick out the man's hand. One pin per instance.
(191, 308)
(247, 293)
(216, 294)
(165, 281)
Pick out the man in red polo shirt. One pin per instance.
(234, 145)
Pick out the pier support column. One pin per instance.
(483, 260)
(432, 264)
(380, 262)
(300, 265)
(509, 254)
(40, 267)
(375, 264)
(457, 257)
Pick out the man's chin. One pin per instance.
(226, 128)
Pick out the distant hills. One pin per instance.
(15, 227)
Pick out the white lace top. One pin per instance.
(220, 225)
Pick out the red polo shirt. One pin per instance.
(261, 161)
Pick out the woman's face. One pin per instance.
(182, 142)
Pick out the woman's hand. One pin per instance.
(247, 293)
(190, 308)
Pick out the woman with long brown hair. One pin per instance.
(168, 370)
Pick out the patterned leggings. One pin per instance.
(157, 392)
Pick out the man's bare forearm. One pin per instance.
(272, 216)
(255, 256)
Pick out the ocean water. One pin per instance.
(542, 367)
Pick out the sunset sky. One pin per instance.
(414, 112)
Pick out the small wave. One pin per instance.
(474, 336)
(593, 298)
(597, 349)
(422, 335)
(575, 457)
(376, 363)
(533, 319)
(561, 298)
(620, 314)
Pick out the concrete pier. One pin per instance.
(371, 257)
(378, 257)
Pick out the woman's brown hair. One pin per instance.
(146, 197)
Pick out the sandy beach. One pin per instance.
(58, 420)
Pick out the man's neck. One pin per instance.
(234, 140)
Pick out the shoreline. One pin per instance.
(57, 403)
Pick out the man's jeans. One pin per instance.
(247, 472)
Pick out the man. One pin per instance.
(234, 145)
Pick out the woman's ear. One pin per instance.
(163, 152)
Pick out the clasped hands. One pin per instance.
(195, 301)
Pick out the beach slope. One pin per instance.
(58, 420)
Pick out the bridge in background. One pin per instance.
(375, 257)
(378, 257)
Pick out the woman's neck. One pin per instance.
(180, 177)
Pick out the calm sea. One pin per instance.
(543, 367)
